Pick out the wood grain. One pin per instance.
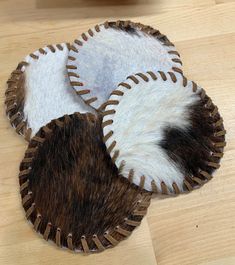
(193, 229)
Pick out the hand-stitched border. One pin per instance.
(121, 25)
(190, 183)
(14, 104)
(112, 237)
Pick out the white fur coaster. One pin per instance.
(48, 94)
(107, 53)
(163, 132)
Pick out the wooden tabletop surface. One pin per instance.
(193, 229)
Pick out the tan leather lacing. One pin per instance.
(117, 24)
(14, 105)
(190, 182)
(112, 236)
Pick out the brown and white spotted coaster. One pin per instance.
(163, 132)
(101, 58)
(39, 90)
(71, 190)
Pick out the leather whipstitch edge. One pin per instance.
(218, 124)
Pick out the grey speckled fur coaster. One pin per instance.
(107, 53)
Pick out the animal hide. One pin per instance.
(106, 54)
(71, 190)
(164, 130)
(40, 90)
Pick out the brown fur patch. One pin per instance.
(75, 185)
(15, 98)
(192, 148)
(196, 149)
(132, 28)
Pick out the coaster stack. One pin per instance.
(110, 120)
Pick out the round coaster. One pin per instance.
(71, 190)
(39, 90)
(163, 132)
(101, 58)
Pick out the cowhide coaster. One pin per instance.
(71, 190)
(101, 58)
(39, 90)
(163, 132)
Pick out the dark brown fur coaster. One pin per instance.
(71, 190)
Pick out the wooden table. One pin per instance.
(193, 229)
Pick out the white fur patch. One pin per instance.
(48, 93)
(142, 113)
(107, 58)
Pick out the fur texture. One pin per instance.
(105, 59)
(48, 94)
(189, 147)
(75, 185)
(16, 93)
(162, 131)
